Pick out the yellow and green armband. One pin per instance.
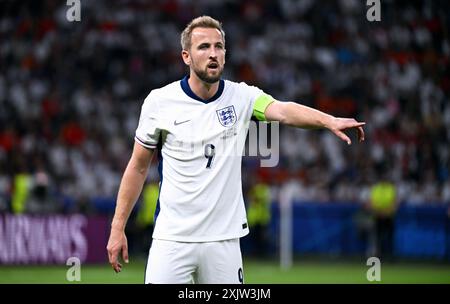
(261, 104)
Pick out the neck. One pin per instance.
(202, 89)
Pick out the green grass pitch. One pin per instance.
(256, 271)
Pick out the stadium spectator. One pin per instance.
(383, 204)
(41, 201)
(145, 220)
(258, 216)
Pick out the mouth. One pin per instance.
(213, 66)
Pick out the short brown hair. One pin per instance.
(203, 21)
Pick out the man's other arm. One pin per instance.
(301, 116)
(130, 188)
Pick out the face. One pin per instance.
(206, 57)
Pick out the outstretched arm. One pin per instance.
(301, 116)
(130, 187)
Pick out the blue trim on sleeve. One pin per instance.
(187, 89)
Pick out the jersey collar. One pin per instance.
(187, 89)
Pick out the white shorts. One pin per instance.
(171, 262)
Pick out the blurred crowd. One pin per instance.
(71, 92)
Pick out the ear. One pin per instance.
(186, 57)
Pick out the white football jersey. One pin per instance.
(200, 145)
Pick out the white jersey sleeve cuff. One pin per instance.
(143, 143)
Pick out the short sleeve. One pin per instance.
(148, 130)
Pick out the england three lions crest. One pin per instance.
(227, 116)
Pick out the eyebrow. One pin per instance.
(208, 44)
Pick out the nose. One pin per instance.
(212, 53)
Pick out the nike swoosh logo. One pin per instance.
(176, 123)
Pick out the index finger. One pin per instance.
(356, 124)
